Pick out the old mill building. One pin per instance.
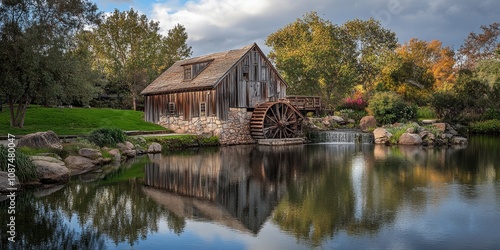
(225, 94)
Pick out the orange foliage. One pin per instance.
(439, 61)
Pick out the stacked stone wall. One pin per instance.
(236, 130)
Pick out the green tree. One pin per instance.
(35, 59)
(315, 57)
(131, 52)
(373, 44)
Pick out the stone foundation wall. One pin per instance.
(236, 130)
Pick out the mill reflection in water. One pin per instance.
(236, 186)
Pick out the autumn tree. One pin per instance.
(482, 46)
(315, 57)
(374, 43)
(36, 38)
(131, 52)
(418, 68)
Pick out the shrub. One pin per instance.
(448, 106)
(354, 103)
(388, 107)
(107, 136)
(425, 113)
(486, 127)
(491, 114)
(25, 170)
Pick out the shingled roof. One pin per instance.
(172, 80)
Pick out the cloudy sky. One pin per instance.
(220, 25)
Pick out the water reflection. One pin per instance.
(235, 186)
(319, 195)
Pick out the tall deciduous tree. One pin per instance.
(315, 56)
(373, 42)
(419, 67)
(482, 46)
(131, 52)
(35, 40)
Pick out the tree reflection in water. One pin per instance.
(313, 192)
(104, 209)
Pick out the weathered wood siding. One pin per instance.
(250, 82)
(186, 104)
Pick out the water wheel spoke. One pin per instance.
(272, 119)
(285, 111)
(275, 120)
(274, 115)
(291, 130)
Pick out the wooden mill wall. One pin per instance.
(186, 104)
(251, 81)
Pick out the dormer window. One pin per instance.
(194, 69)
(187, 73)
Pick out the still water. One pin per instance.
(325, 196)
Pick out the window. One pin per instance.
(203, 109)
(171, 108)
(187, 72)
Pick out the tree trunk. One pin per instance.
(134, 105)
(18, 114)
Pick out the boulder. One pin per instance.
(410, 139)
(155, 147)
(459, 140)
(337, 119)
(5, 184)
(427, 135)
(410, 130)
(381, 136)
(90, 153)
(129, 145)
(79, 164)
(50, 169)
(440, 126)
(451, 130)
(366, 123)
(123, 147)
(130, 153)
(47, 139)
(117, 156)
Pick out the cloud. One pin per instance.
(219, 25)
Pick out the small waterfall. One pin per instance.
(341, 136)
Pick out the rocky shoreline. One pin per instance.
(51, 169)
(430, 133)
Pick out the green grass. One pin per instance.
(75, 121)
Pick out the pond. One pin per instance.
(347, 196)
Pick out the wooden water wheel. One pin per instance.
(275, 120)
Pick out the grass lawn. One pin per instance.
(75, 121)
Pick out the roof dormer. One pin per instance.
(192, 70)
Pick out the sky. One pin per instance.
(222, 25)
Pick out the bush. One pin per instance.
(486, 127)
(25, 170)
(388, 108)
(107, 136)
(354, 103)
(448, 106)
(425, 113)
